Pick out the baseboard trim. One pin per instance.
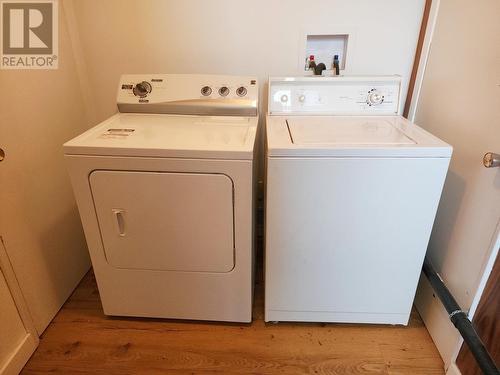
(20, 356)
(453, 369)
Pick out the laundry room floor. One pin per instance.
(81, 340)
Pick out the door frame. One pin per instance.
(424, 43)
(23, 352)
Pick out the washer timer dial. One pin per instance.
(374, 97)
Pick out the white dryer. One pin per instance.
(165, 193)
(352, 192)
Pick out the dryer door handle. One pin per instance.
(120, 220)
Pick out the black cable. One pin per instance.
(461, 321)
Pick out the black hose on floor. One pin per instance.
(461, 321)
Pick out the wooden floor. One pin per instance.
(81, 340)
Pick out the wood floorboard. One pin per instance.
(81, 340)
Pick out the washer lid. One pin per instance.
(345, 131)
(157, 135)
(350, 136)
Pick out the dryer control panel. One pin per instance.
(344, 95)
(189, 94)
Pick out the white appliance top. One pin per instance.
(177, 115)
(345, 131)
(350, 136)
(159, 135)
(346, 116)
(188, 94)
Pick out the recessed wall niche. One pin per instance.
(325, 47)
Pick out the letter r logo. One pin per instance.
(27, 28)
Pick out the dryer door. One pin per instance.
(165, 221)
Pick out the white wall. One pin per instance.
(460, 103)
(39, 221)
(259, 37)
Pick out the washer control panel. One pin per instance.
(188, 94)
(356, 95)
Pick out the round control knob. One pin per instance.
(206, 90)
(284, 98)
(375, 97)
(223, 91)
(302, 98)
(142, 89)
(241, 91)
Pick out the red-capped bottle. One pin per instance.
(311, 64)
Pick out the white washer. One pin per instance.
(165, 195)
(352, 192)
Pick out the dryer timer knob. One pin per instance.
(142, 89)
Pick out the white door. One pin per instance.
(39, 220)
(18, 339)
(165, 221)
(460, 103)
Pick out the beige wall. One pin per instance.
(259, 37)
(39, 222)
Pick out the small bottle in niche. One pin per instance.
(336, 65)
(311, 65)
